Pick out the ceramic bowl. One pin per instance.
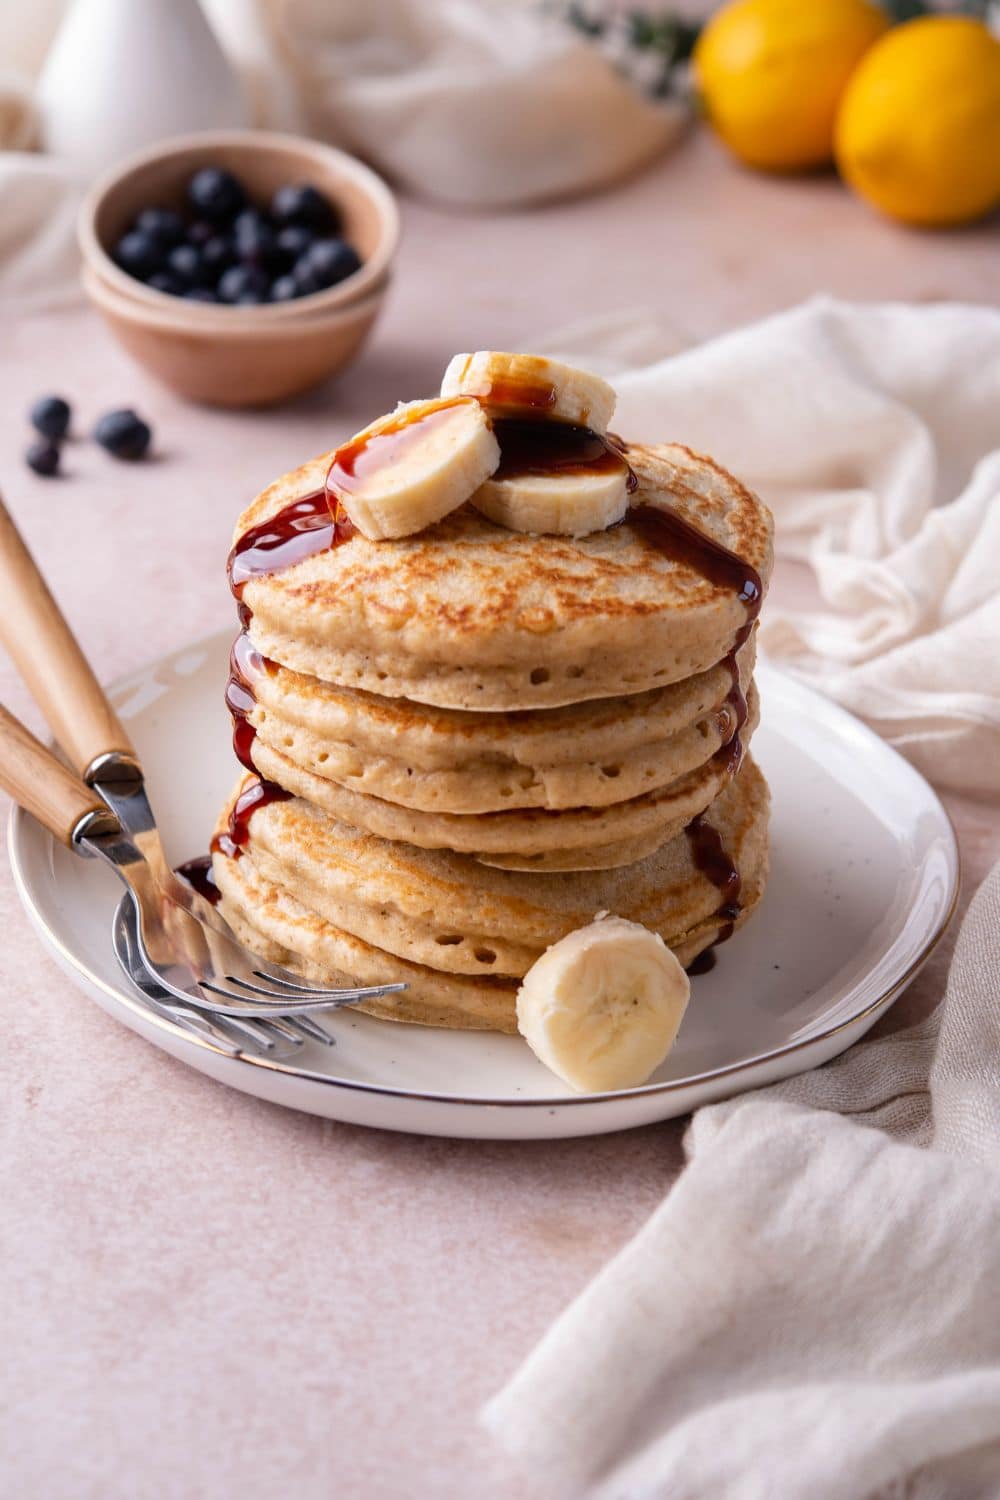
(222, 356)
(263, 161)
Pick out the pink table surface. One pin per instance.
(205, 1295)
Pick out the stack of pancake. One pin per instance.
(463, 744)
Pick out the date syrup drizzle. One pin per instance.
(199, 875)
(685, 543)
(556, 448)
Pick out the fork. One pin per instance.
(179, 952)
(49, 658)
(271, 1038)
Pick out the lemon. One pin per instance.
(771, 74)
(918, 132)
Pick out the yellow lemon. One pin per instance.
(771, 74)
(918, 132)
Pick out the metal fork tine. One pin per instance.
(276, 990)
(356, 992)
(279, 1028)
(312, 1029)
(264, 1007)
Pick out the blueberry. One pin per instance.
(123, 434)
(50, 416)
(255, 241)
(185, 262)
(327, 262)
(43, 457)
(216, 194)
(200, 231)
(162, 225)
(294, 240)
(285, 289)
(139, 254)
(217, 255)
(300, 203)
(200, 294)
(243, 284)
(166, 281)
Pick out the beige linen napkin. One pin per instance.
(873, 432)
(37, 253)
(815, 1309)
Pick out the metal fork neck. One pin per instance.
(114, 768)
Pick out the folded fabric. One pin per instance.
(872, 431)
(38, 257)
(813, 1309)
(471, 102)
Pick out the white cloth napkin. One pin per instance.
(814, 1311)
(873, 432)
(815, 1308)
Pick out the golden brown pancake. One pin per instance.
(469, 615)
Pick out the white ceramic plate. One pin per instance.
(864, 874)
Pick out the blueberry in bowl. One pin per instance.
(246, 253)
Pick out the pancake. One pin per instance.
(526, 832)
(275, 922)
(443, 911)
(469, 615)
(620, 748)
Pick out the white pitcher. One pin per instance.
(123, 74)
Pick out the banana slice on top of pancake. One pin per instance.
(554, 478)
(411, 468)
(558, 472)
(528, 385)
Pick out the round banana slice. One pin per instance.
(407, 470)
(601, 1007)
(519, 385)
(567, 506)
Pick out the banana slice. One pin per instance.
(601, 1007)
(407, 470)
(520, 385)
(566, 506)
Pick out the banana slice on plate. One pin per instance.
(528, 385)
(407, 470)
(601, 1007)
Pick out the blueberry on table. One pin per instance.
(123, 434)
(327, 262)
(43, 457)
(285, 289)
(186, 264)
(243, 284)
(301, 203)
(162, 225)
(50, 416)
(216, 195)
(139, 254)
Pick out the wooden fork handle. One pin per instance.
(48, 657)
(44, 787)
